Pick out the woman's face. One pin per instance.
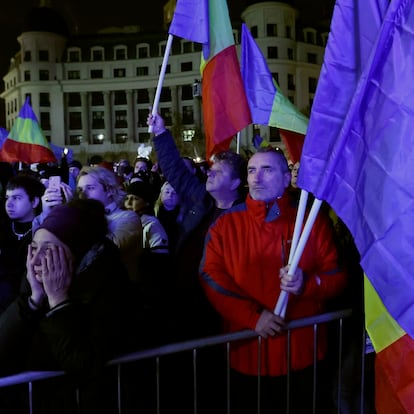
(42, 240)
(169, 197)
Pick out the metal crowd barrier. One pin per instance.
(157, 354)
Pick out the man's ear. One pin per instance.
(235, 184)
(35, 203)
(287, 177)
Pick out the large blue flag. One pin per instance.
(359, 150)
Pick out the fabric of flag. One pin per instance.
(26, 142)
(190, 21)
(267, 103)
(394, 379)
(358, 155)
(225, 107)
(3, 135)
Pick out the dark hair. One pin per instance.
(147, 161)
(30, 184)
(235, 161)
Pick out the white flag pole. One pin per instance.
(161, 78)
(283, 297)
(238, 143)
(280, 308)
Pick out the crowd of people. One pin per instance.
(120, 257)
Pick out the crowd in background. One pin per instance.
(111, 257)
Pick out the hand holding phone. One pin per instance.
(54, 182)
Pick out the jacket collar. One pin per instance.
(267, 211)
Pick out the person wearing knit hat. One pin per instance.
(140, 198)
(75, 310)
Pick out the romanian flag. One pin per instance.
(394, 379)
(267, 104)
(26, 142)
(225, 106)
(358, 156)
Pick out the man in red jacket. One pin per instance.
(243, 271)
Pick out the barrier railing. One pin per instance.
(194, 346)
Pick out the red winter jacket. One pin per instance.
(245, 248)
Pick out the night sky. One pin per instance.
(87, 16)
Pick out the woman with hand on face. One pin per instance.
(72, 314)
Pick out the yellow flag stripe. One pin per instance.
(382, 328)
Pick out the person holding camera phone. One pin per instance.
(57, 192)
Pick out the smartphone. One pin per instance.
(54, 182)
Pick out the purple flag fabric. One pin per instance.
(359, 151)
(191, 22)
(257, 79)
(3, 135)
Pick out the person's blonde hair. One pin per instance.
(107, 179)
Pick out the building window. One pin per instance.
(187, 47)
(271, 30)
(75, 120)
(143, 52)
(74, 99)
(167, 69)
(73, 74)
(142, 71)
(165, 95)
(120, 98)
(186, 92)
(310, 37)
(28, 95)
(288, 30)
(274, 135)
(75, 139)
(45, 121)
(291, 99)
(43, 75)
(97, 54)
(97, 99)
(74, 55)
(186, 66)
(188, 115)
(275, 76)
(98, 138)
(161, 47)
(43, 55)
(119, 73)
(142, 96)
(312, 58)
(166, 115)
(27, 56)
(142, 117)
(312, 82)
(27, 75)
(120, 53)
(290, 53)
(96, 73)
(98, 120)
(272, 52)
(44, 99)
(291, 82)
(121, 120)
(121, 138)
(253, 31)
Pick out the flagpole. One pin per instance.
(238, 143)
(283, 298)
(280, 308)
(161, 78)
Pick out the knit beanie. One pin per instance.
(78, 224)
(143, 190)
